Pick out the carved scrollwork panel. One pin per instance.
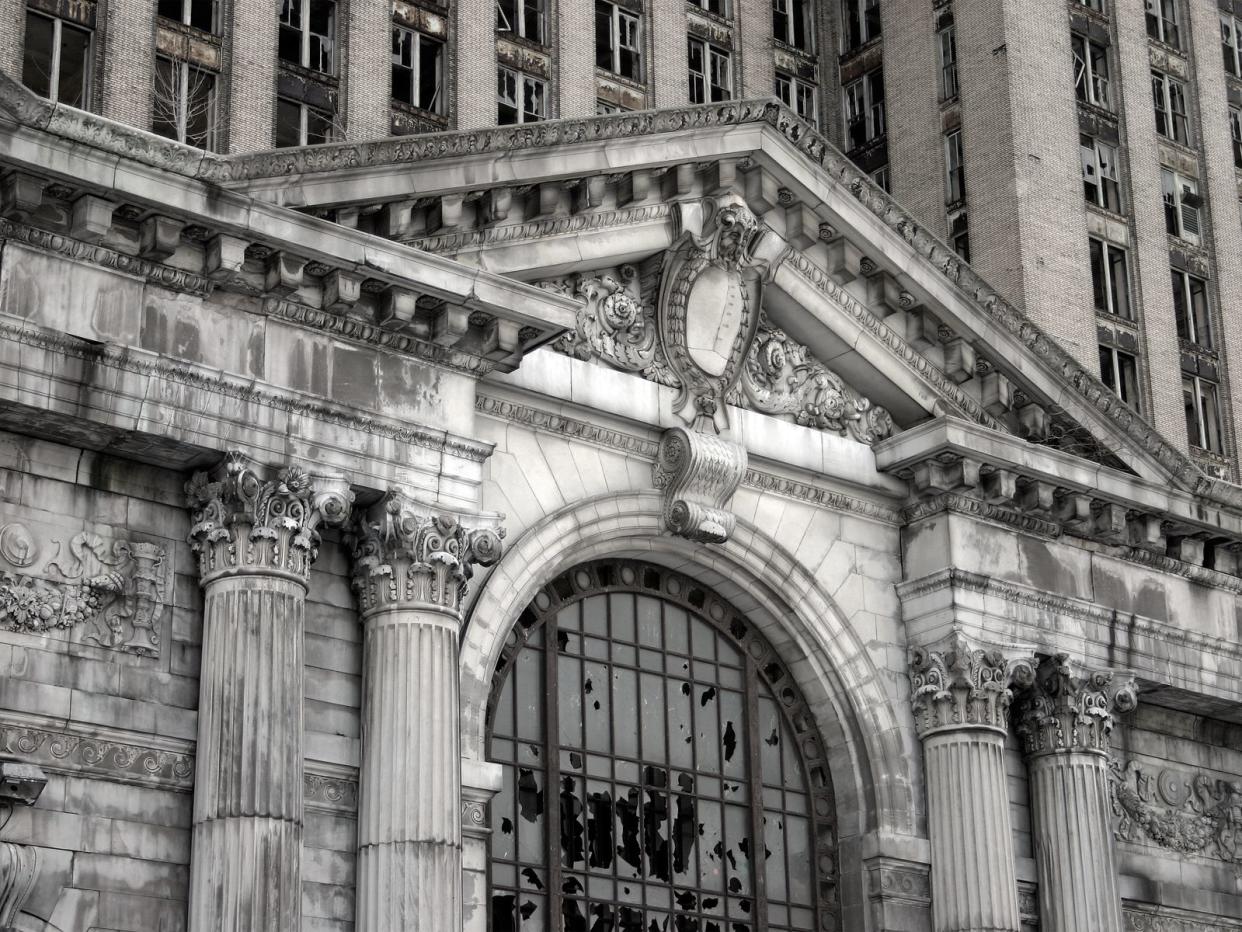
(1191, 813)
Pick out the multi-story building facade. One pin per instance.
(436, 495)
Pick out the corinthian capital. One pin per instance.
(1065, 711)
(410, 554)
(959, 685)
(243, 523)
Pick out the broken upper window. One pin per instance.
(520, 98)
(201, 14)
(417, 70)
(308, 34)
(798, 95)
(711, 72)
(299, 124)
(651, 779)
(184, 104)
(57, 59)
(618, 40)
(522, 18)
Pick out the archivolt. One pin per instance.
(854, 714)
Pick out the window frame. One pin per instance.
(59, 24)
(1117, 301)
(954, 168)
(181, 107)
(861, 23)
(1107, 181)
(186, 16)
(946, 55)
(1169, 103)
(1092, 83)
(958, 225)
(1203, 434)
(1231, 44)
(1124, 367)
(1176, 193)
(719, 8)
(305, 111)
(1235, 133)
(859, 95)
(793, 93)
(712, 56)
(416, 40)
(525, 12)
(521, 81)
(1194, 324)
(307, 37)
(617, 17)
(798, 15)
(1164, 22)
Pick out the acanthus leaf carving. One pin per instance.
(243, 523)
(411, 554)
(1064, 711)
(112, 592)
(699, 473)
(1188, 813)
(960, 685)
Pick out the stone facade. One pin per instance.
(292, 467)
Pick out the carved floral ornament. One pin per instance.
(244, 524)
(409, 554)
(693, 320)
(1065, 711)
(1189, 813)
(959, 685)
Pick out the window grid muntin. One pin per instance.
(801, 738)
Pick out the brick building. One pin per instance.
(517, 512)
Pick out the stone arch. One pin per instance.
(858, 720)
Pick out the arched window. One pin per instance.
(649, 736)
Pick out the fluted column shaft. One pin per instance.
(256, 540)
(411, 569)
(961, 698)
(1065, 721)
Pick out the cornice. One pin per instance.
(572, 428)
(242, 390)
(511, 233)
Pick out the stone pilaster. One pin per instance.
(19, 867)
(412, 564)
(1065, 720)
(961, 697)
(256, 539)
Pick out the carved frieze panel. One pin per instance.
(1183, 811)
(1165, 920)
(115, 760)
(103, 589)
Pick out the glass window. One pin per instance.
(1235, 133)
(1090, 71)
(201, 14)
(711, 72)
(417, 70)
(300, 124)
(646, 759)
(719, 7)
(1109, 282)
(308, 34)
(946, 50)
(618, 40)
(959, 234)
(1202, 407)
(1229, 45)
(1097, 5)
(520, 98)
(1162, 21)
(184, 105)
(57, 60)
(792, 23)
(1181, 205)
(954, 167)
(523, 18)
(881, 179)
(862, 22)
(1190, 309)
(1099, 173)
(1119, 371)
(798, 96)
(1169, 99)
(864, 109)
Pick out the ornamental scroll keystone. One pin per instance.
(960, 685)
(1063, 711)
(710, 301)
(244, 524)
(699, 474)
(412, 554)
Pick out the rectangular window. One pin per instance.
(417, 70)
(1169, 99)
(798, 96)
(605, 107)
(711, 73)
(1097, 5)
(1090, 71)
(1099, 173)
(946, 51)
(792, 23)
(719, 7)
(1199, 397)
(1235, 132)
(308, 34)
(864, 109)
(184, 106)
(954, 168)
(520, 98)
(880, 177)
(1162, 22)
(1181, 205)
(1190, 309)
(201, 14)
(1109, 282)
(301, 124)
(959, 234)
(1119, 371)
(57, 60)
(862, 22)
(1229, 45)
(618, 40)
(524, 18)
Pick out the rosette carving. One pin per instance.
(410, 554)
(1063, 711)
(244, 524)
(699, 474)
(959, 685)
(612, 324)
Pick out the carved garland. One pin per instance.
(1188, 813)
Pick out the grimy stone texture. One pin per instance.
(131, 362)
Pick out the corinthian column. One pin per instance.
(1065, 721)
(256, 539)
(412, 563)
(961, 700)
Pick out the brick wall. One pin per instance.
(753, 19)
(251, 95)
(366, 77)
(474, 71)
(127, 43)
(575, 59)
(916, 162)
